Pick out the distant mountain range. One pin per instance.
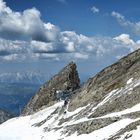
(17, 88)
(22, 77)
(14, 96)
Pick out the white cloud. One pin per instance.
(126, 41)
(133, 26)
(45, 56)
(12, 47)
(10, 57)
(95, 9)
(125, 38)
(40, 40)
(41, 47)
(81, 56)
(71, 46)
(26, 24)
(117, 15)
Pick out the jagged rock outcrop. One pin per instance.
(4, 116)
(66, 79)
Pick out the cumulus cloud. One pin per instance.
(125, 38)
(69, 46)
(127, 42)
(41, 47)
(36, 39)
(26, 24)
(84, 47)
(10, 57)
(95, 10)
(133, 26)
(12, 47)
(12, 50)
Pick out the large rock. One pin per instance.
(66, 79)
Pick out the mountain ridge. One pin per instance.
(107, 107)
(112, 76)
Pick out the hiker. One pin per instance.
(66, 102)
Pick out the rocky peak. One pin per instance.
(66, 80)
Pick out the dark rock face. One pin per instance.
(4, 116)
(66, 79)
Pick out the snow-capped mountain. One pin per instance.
(17, 88)
(106, 107)
(22, 77)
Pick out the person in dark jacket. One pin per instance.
(65, 102)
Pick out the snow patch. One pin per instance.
(69, 114)
(43, 114)
(129, 81)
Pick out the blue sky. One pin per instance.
(76, 14)
(45, 35)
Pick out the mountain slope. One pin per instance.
(112, 77)
(106, 107)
